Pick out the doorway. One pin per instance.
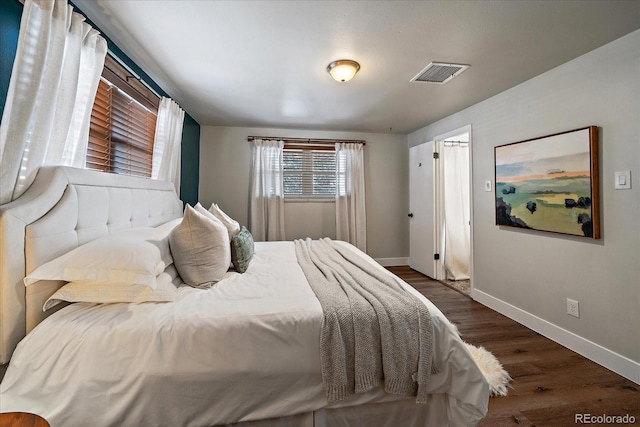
(440, 213)
(455, 210)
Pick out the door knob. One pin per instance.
(410, 215)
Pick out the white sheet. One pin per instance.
(245, 349)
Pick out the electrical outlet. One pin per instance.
(573, 308)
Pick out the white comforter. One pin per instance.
(246, 349)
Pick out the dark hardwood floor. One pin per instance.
(551, 384)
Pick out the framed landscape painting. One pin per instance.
(550, 183)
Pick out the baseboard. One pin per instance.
(392, 262)
(592, 351)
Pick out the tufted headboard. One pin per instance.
(65, 208)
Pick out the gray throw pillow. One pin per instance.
(200, 249)
(241, 250)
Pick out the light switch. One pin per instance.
(487, 186)
(623, 180)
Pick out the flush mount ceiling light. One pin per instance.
(343, 70)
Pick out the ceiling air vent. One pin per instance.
(438, 72)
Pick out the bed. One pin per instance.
(244, 352)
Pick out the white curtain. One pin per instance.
(267, 191)
(456, 211)
(351, 219)
(165, 165)
(53, 84)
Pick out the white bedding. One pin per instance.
(245, 349)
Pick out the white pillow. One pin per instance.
(134, 256)
(208, 214)
(232, 225)
(200, 248)
(101, 293)
(201, 210)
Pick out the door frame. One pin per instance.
(439, 194)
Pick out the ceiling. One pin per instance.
(263, 63)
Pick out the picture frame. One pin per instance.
(550, 183)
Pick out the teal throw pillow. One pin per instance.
(241, 250)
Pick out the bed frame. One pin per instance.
(65, 208)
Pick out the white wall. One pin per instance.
(225, 158)
(529, 275)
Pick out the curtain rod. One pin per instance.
(307, 140)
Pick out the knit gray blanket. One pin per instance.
(374, 331)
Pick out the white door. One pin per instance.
(422, 221)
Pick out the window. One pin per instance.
(123, 124)
(309, 173)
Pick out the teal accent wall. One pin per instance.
(10, 14)
(190, 161)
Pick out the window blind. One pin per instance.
(121, 133)
(309, 173)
